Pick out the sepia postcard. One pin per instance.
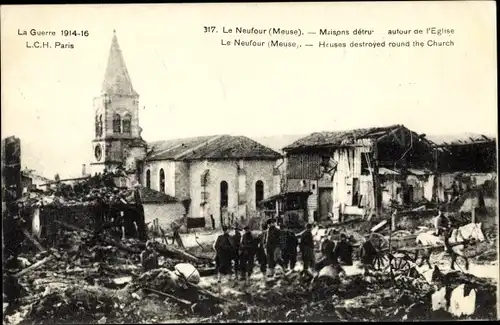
(249, 162)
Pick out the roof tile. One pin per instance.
(210, 147)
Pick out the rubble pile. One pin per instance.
(294, 298)
(83, 279)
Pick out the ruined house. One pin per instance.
(31, 180)
(359, 172)
(466, 161)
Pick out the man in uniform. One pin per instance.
(261, 251)
(441, 223)
(223, 253)
(442, 226)
(367, 255)
(236, 238)
(307, 248)
(247, 254)
(273, 251)
(328, 252)
(289, 247)
(343, 250)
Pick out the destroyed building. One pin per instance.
(466, 162)
(470, 160)
(31, 180)
(361, 171)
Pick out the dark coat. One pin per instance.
(248, 243)
(367, 253)
(306, 240)
(328, 249)
(237, 241)
(224, 252)
(343, 251)
(289, 242)
(273, 238)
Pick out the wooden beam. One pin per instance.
(33, 240)
(435, 185)
(375, 177)
(179, 300)
(387, 135)
(34, 266)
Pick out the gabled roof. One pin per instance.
(460, 139)
(116, 78)
(337, 138)
(210, 147)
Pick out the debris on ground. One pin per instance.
(92, 276)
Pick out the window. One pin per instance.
(117, 121)
(355, 192)
(100, 125)
(148, 178)
(162, 181)
(224, 198)
(96, 126)
(126, 124)
(259, 192)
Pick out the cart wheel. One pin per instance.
(381, 261)
(381, 245)
(401, 264)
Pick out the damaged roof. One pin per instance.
(151, 196)
(29, 173)
(460, 139)
(337, 138)
(210, 147)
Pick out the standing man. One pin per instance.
(273, 251)
(328, 251)
(236, 253)
(289, 247)
(307, 248)
(343, 250)
(441, 223)
(223, 253)
(261, 250)
(367, 255)
(140, 220)
(247, 254)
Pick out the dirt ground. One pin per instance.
(80, 289)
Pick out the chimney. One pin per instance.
(84, 172)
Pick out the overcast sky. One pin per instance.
(190, 85)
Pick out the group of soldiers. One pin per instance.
(276, 245)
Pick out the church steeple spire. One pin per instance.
(116, 78)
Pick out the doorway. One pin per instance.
(325, 202)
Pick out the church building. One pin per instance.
(219, 175)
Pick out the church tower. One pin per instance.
(117, 136)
